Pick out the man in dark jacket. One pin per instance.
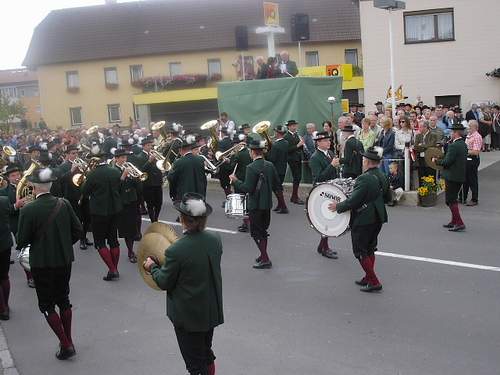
(323, 168)
(261, 179)
(278, 155)
(295, 148)
(368, 213)
(153, 186)
(50, 226)
(191, 275)
(102, 187)
(454, 166)
(351, 159)
(5, 251)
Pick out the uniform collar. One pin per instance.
(41, 195)
(325, 152)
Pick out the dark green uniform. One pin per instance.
(243, 159)
(10, 192)
(191, 275)
(368, 213)
(152, 188)
(454, 165)
(352, 161)
(103, 188)
(279, 157)
(130, 191)
(108, 144)
(294, 156)
(225, 169)
(5, 253)
(5, 233)
(187, 176)
(321, 166)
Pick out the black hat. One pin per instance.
(291, 122)
(42, 176)
(71, 148)
(244, 126)
(459, 110)
(189, 141)
(34, 148)
(257, 144)
(457, 126)
(45, 158)
(347, 128)
(194, 205)
(322, 135)
(361, 105)
(121, 152)
(373, 153)
(280, 129)
(379, 103)
(147, 140)
(425, 107)
(97, 151)
(11, 168)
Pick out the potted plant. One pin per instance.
(427, 192)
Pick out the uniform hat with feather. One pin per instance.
(176, 128)
(42, 176)
(45, 158)
(374, 153)
(321, 135)
(147, 140)
(244, 126)
(189, 141)
(194, 205)
(347, 128)
(257, 144)
(34, 148)
(291, 122)
(11, 168)
(121, 152)
(280, 129)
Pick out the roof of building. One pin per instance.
(168, 26)
(15, 76)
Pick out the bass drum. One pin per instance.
(326, 222)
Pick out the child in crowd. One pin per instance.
(396, 183)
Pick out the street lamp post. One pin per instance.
(391, 5)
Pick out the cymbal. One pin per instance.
(165, 230)
(433, 152)
(151, 245)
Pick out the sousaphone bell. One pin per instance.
(157, 238)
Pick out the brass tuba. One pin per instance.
(211, 126)
(24, 190)
(262, 129)
(157, 238)
(161, 127)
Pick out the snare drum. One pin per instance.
(236, 205)
(324, 221)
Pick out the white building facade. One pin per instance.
(442, 51)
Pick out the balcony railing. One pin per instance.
(182, 81)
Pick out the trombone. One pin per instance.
(220, 156)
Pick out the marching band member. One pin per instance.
(5, 252)
(175, 143)
(110, 141)
(241, 160)
(51, 227)
(323, 168)
(295, 145)
(13, 175)
(130, 190)
(34, 155)
(278, 155)
(153, 187)
(368, 213)
(261, 179)
(73, 193)
(191, 275)
(351, 159)
(187, 174)
(225, 169)
(102, 186)
(454, 165)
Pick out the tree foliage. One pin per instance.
(10, 109)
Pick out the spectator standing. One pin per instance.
(261, 68)
(439, 132)
(495, 135)
(474, 143)
(328, 127)
(287, 67)
(386, 141)
(309, 141)
(473, 113)
(425, 139)
(404, 137)
(366, 136)
(485, 125)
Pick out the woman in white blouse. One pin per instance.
(404, 136)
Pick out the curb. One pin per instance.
(7, 366)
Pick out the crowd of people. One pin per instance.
(110, 177)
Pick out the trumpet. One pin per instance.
(133, 171)
(161, 161)
(80, 164)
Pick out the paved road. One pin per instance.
(305, 316)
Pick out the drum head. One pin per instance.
(326, 222)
